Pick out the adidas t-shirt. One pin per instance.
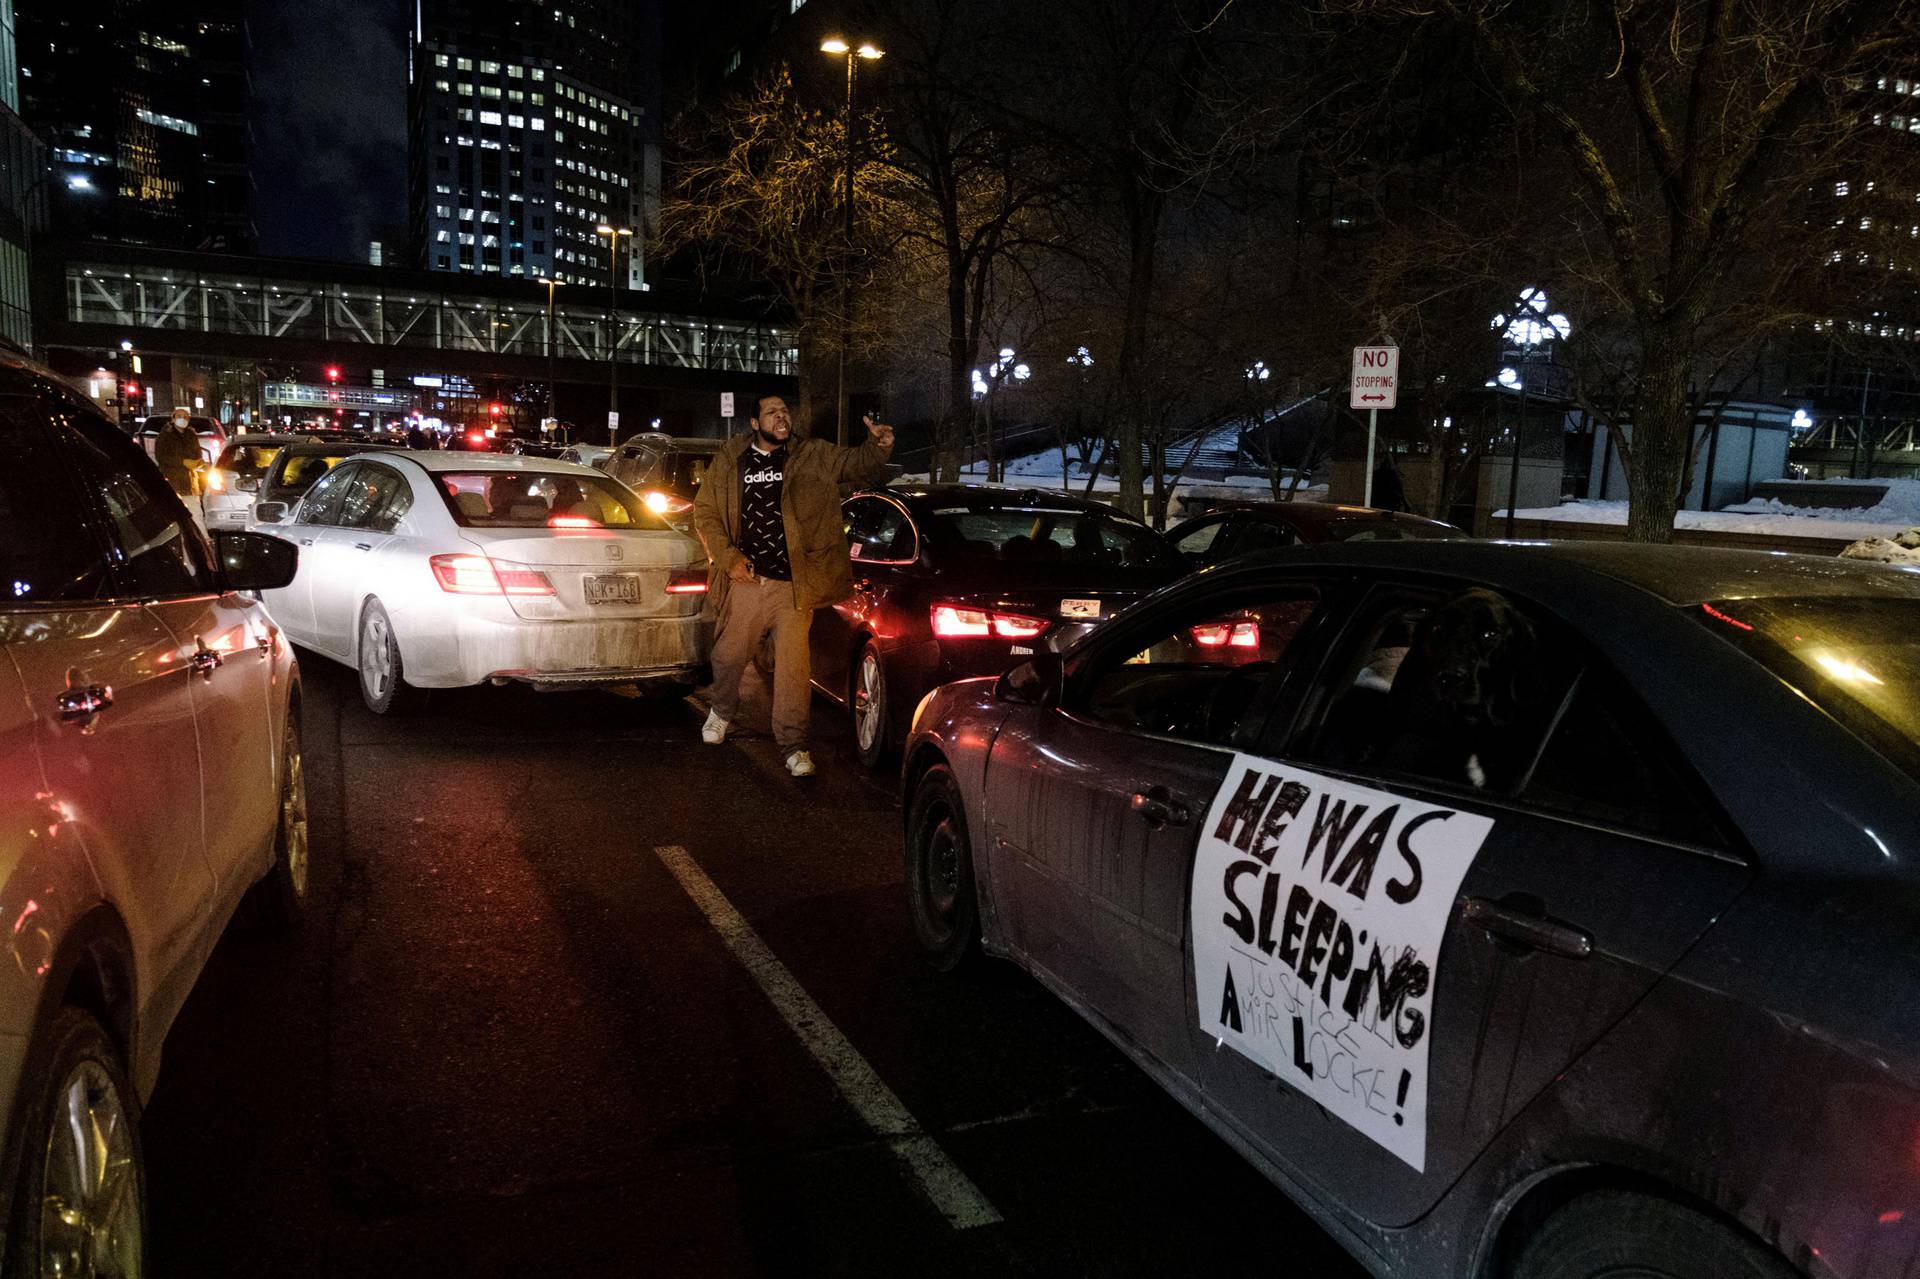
(763, 533)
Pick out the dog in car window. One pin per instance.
(1466, 697)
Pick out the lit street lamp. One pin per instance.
(1531, 325)
(869, 52)
(613, 235)
(551, 284)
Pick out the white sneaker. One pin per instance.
(714, 731)
(800, 764)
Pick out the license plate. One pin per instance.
(613, 588)
(1079, 608)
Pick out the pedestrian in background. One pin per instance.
(177, 451)
(768, 513)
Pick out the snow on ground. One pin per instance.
(1042, 471)
(1898, 511)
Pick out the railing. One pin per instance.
(295, 310)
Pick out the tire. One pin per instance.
(871, 705)
(941, 902)
(84, 1080)
(383, 676)
(278, 901)
(1614, 1234)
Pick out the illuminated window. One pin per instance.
(463, 64)
(489, 117)
(516, 73)
(538, 125)
(1841, 188)
(489, 68)
(440, 59)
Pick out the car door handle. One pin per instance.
(83, 703)
(363, 546)
(1160, 807)
(204, 662)
(306, 541)
(1527, 925)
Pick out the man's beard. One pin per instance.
(767, 441)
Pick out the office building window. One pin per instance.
(489, 117)
(515, 73)
(463, 64)
(440, 59)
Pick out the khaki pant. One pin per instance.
(754, 610)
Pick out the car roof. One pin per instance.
(1678, 575)
(930, 497)
(437, 462)
(334, 448)
(1316, 514)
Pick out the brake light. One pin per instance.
(1228, 634)
(573, 521)
(687, 581)
(478, 575)
(665, 503)
(953, 622)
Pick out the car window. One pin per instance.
(1201, 538)
(156, 547)
(541, 499)
(1610, 763)
(1197, 676)
(50, 552)
(1455, 687)
(375, 498)
(248, 461)
(877, 531)
(322, 503)
(1387, 529)
(1017, 536)
(1253, 536)
(299, 472)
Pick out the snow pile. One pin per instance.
(1903, 548)
(1896, 513)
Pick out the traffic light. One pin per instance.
(333, 372)
(494, 409)
(131, 392)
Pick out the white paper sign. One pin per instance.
(726, 404)
(1317, 912)
(613, 419)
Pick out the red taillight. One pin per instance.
(661, 503)
(478, 575)
(687, 581)
(1228, 634)
(573, 521)
(950, 621)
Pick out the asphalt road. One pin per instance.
(509, 1041)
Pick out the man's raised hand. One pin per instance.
(879, 432)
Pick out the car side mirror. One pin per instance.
(255, 561)
(270, 512)
(1035, 682)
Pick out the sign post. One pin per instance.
(1375, 386)
(726, 409)
(613, 427)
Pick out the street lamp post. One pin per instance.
(551, 284)
(613, 234)
(867, 50)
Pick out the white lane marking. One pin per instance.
(954, 1196)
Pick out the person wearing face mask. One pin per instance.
(177, 451)
(768, 513)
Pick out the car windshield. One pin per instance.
(248, 459)
(1035, 535)
(1857, 659)
(1378, 529)
(541, 499)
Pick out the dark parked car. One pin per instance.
(1530, 912)
(954, 580)
(1236, 530)
(665, 470)
(297, 468)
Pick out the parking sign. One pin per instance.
(1376, 377)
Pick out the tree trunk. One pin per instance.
(1133, 342)
(1662, 432)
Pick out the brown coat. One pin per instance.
(810, 505)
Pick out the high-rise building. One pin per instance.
(534, 123)
(22, 167)
(143, 107)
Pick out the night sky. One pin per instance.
(330, 124)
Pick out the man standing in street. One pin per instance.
(177, 451)
(768, 512)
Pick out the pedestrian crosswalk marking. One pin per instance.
(953, 1195)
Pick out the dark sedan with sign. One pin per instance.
(1477, 899)
(958, 580)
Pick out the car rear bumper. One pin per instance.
(472, 650)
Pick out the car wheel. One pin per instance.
(1621, 1235)
(81, 1205)
(940, 895)
(279, 900)
(383, 677)
(872, 708)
